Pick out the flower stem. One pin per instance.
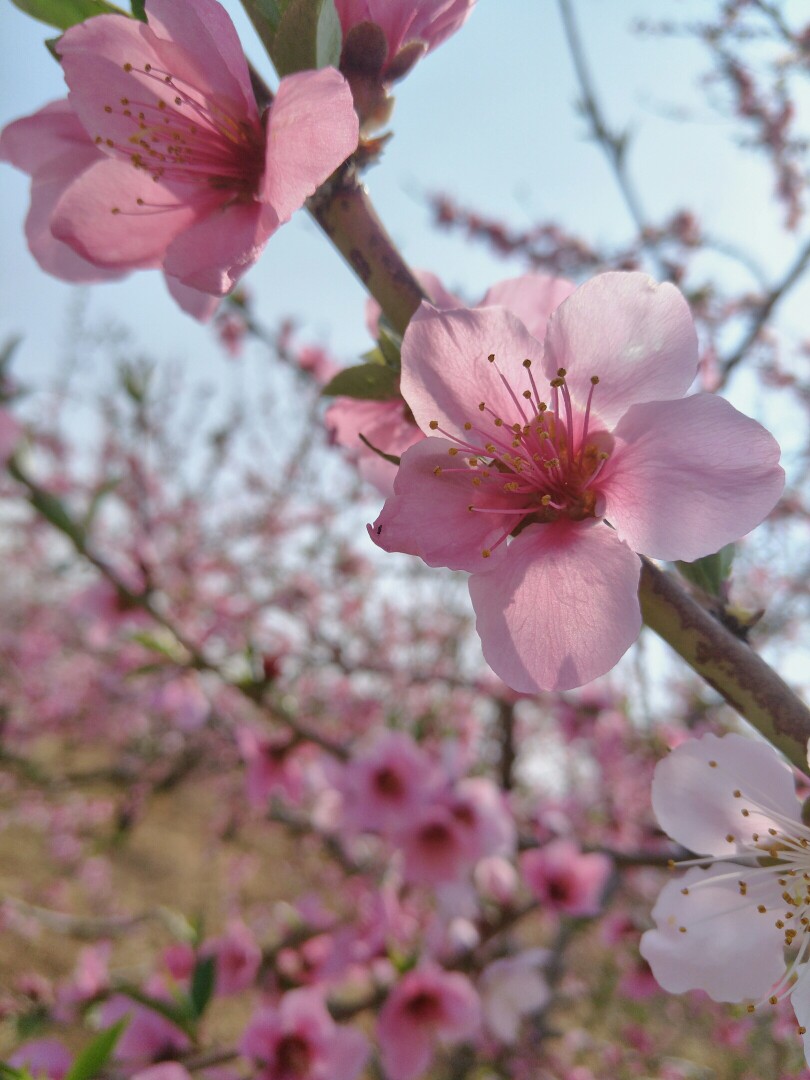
(344, 211)
(726, 663)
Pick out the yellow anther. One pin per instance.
(453, 451)
(433, 425)
(467, 426)
(546, 500)
(482, 405)
(527, 363)
(712, 764)
(127, 67)
(561, 373)
(498, 422)
(437, 471)
(486, 553)
(527, 394)
(491, 358)
(594, 380)
(557, 383)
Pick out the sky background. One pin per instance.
(488, 117)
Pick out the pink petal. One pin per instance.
(93, 57)
(311, 130)
(55, 149)
(348, 1053)
(406, 1054)
(429, 515)
(800, 1000)
(445, 368)
(135, 237)
(729, 949)
(560, 609)
(695, 803)
(36, 142)
(214, 252)
(689, 476)
(199, 305)
(210, 55)
(635, 335)
(532, 297)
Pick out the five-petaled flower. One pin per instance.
(548, 467)
(160, 158)
(737, 924)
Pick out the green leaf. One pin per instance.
(202, 984)
(381, 453)
(138, 9)
(711, 572)
(65, 13)
(368, 382)
(8, 1072)
(308, 36)
(93, 1058)
(165, 647)
(390, 345)
(176, 1013)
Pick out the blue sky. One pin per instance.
(487, 117)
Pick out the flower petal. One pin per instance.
(85, 220)
(215, 251)
(429, 515)
(635, 335)
(800, 1000)
(693, 791)
(728, 948)
(446, 373)
(206, 50)
(198, 304)
(311, 130)
(689, 476)
(532, 297)
(560, 609)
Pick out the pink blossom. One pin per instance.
(496, 879)
(149, 1035)
(427, 1005)
(565, 879)
(512, 988)
(159, 157)
(270, 765)
(43, 1058)
(533, 448)
(435, 846)
(389, 425)
(737, 929)
(238, 958)
(299, 1040)
(385, 786)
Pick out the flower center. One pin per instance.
(542, 466)
(180, 135)
(293, 1056)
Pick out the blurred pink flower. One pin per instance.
(737, 929)
(46, 1058)
(677, 478)
(149, 1035)
(384, 786)
(159, 157)
(427, 1005)
(510, 989)
(565, 879)
(389, 425)
(299, 1040)
(167, 1070)
(238, 958)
